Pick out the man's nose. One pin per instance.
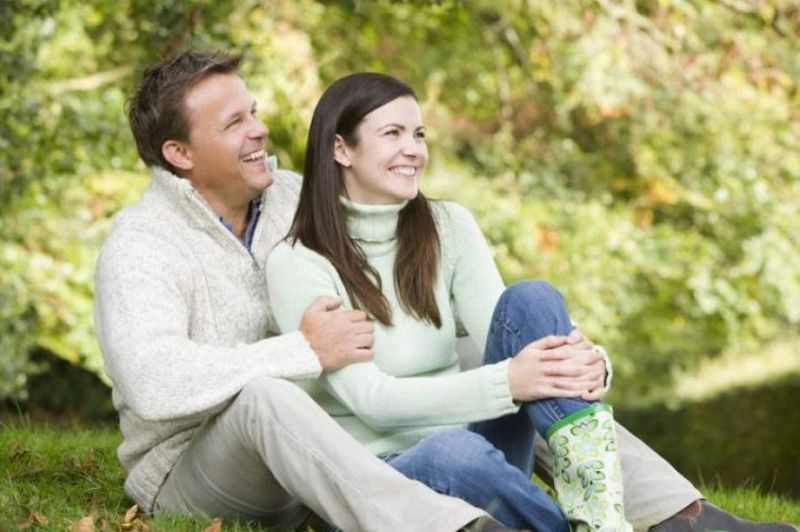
(258, 129)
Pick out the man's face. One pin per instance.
(226, 146)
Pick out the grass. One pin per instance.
(51, 478)
(750, 503)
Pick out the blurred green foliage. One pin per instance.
(641, 155)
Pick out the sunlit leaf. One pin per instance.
(85, 523)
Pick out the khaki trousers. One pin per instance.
(273, 456)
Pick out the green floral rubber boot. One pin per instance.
(587, 470)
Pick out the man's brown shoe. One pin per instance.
(702, 516)
(486, 524)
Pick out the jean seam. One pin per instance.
(508, 326)
(553, 409)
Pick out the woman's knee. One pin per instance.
(533, 293)
(539, 301)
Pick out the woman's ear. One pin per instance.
(341, 153)
(177, 154)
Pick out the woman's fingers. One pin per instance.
(547, 342)
(539, 372)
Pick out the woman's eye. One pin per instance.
(421, 134)
(393, 132)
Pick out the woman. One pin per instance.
(364, 232)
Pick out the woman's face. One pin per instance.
(387, 161)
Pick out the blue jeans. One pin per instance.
(526, 311)
(490, 464)
(463, 464)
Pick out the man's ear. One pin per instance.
(177, 154)
(340, 152)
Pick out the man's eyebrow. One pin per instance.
(232, 115)
(237, 113)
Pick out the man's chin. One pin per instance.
(262, 183)
(260, 179)
(268, 179)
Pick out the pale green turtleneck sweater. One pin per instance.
(413, 386)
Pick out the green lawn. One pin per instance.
(52, 478)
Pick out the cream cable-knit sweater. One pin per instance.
(182, 314)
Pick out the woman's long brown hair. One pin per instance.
(320, 221)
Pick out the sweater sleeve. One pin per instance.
(475, 282)
(142, 308)
(296, 276)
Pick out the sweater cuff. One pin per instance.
(307, 358)
(287, 356)
(498, 390)
(609, 367)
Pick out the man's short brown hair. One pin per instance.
(156, 111)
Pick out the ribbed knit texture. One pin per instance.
(413, 387)
(182, 314)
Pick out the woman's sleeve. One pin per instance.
(475, 282)
(295, 276)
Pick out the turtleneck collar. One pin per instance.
(372, 223)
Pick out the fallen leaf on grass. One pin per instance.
(215, 526)
(18, 451)
(85, 523)
(130, 515)
(131, 521)
(137, 525)
(34, 519)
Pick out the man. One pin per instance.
(211, 422)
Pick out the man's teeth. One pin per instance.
(407, 171)
(256, 155)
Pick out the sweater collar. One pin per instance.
(177, 187)
(181, 187)
(372, 223)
